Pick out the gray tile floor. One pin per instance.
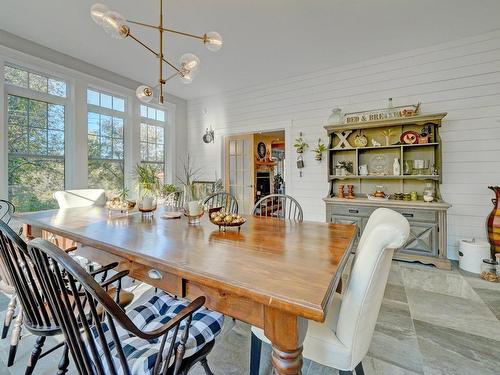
(431, 322)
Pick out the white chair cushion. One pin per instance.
(80, 198)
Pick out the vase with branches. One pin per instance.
(192, 203)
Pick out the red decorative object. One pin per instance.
(410, 137)
(493, 223)
(340, 192)
(350, 194)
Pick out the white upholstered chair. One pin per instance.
(80, 198)
(342, 341)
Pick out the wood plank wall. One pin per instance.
(460, 77)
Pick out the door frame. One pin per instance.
(286, 127)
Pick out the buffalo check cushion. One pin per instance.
(141, 354)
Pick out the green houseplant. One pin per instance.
(319, 150)
(300, 145)
(148, 180)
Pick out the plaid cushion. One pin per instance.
(141, 354)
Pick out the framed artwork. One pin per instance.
(261, 150)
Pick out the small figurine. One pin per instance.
(350, 194)
(340, 192)
(375, 143)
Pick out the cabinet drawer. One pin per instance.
(159, 279)
(418, 215)
(352, 210)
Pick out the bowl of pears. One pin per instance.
(223, 219)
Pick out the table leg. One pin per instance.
(287, 333)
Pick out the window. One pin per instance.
(105, 140)
(36, 152)
(153, 138)
(34, 81)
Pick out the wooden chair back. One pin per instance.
(6, 211)
(26, 281)
(75, 296)
(222, 199)
(279, 205)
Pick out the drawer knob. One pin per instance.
(155, 274)
(351, 211)
(407, 215)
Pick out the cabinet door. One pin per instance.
(423, 239)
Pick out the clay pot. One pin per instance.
(493, 223)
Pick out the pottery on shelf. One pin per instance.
(493, 223)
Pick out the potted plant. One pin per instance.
(192, 204)
(300, 145)
(319, 150)
(148, 180)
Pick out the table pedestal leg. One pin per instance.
(289, 362)
(287, 333)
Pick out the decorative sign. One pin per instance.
(382, 114)
(343, 143)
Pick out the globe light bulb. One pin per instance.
(213, 41)
(190, 66)
(144, 93)
(186, 78)
(97, 12)
(114, 24)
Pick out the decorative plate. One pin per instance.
(410, 137)
(360, 140)
(379, 165)
(374, 198)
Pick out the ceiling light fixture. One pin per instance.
(115, 25)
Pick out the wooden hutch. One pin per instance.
(428, 238)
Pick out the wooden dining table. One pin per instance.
(274, 274)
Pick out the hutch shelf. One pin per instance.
(428, 238)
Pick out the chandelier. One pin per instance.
(116, 26)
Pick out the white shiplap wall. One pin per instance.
(460, 77)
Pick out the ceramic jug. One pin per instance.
(493, 223)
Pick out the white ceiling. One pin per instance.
(263, 39)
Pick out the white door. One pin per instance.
(239, 168)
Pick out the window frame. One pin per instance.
(7, 90)
(113, 113)
(76, 127)
(167, 166)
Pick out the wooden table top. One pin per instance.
(288, 265)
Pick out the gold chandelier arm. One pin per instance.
(167, 30)
(153, 52)
(144, 24)
(172, 76)
(185, 34)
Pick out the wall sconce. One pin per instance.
(209, 136)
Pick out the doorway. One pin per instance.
(254, 167)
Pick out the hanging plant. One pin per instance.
(300, 145)
(319, 150)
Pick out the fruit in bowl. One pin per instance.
(222, 218)
(118, 204)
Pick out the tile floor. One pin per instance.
(431, 322)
